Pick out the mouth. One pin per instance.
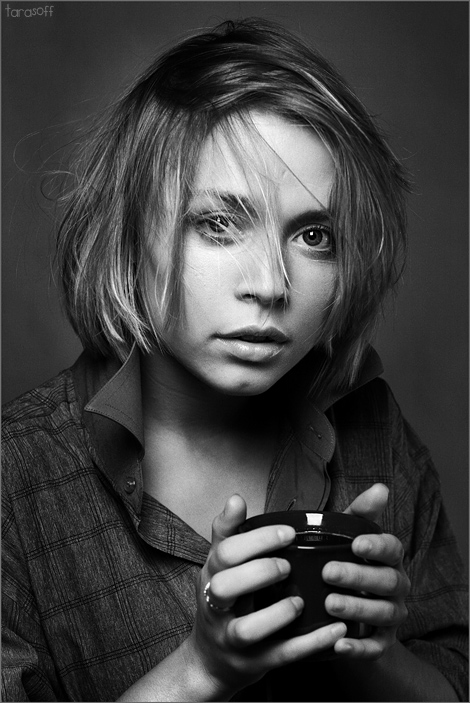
(257, 335)
(254, 345)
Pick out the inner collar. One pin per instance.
(115, 393)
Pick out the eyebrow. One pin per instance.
(321, 216)
(238, 203)
(242, 203)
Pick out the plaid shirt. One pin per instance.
(99, 577)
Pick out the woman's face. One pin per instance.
(246, 322)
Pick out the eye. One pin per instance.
(217, 224)
(217, 227)
(316, 236)
(316, 239)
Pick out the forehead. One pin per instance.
(267, 158)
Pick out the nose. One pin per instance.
(262, 279)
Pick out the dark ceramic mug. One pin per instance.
(320, 537)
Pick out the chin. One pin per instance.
(242, 386)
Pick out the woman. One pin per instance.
(224, 252)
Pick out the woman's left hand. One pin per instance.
(387, 583)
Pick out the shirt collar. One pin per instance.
(306, 412)
(120, 399)
(110, 399)
(115, 391)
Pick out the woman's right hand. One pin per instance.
(230, 647)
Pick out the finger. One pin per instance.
(296, 648)
(245, 546)
(371, 503)
(369, 648)
(378, 580)
(230, 584)
(229, 520)
(371, 611)
(385, 548)
(258, 625)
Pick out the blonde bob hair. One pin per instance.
(133, 183)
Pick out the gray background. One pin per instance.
(408, 63)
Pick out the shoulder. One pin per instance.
(39, 403)
(372, 410)
(375, 443)
(44, 409)
(375, 405)
(42, 433)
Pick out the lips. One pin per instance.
(253, 345)
(257, 335)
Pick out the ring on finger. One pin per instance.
(210, 603)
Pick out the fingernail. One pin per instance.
(229, 503)
(333, 571)
(286, 533)
(283, 565)
(335, 604)
(226, 507)
(365, 545)
(339, 629)
(298, 603)
(344, 648)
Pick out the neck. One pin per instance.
(175, 399)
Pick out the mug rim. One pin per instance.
(315, 521)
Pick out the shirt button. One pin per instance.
(318, 434)
(130, 484)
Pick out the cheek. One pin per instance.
(314, 290)
(206, 275)
(205, 290)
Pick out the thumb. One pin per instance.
(227, 523)
(371, 503)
